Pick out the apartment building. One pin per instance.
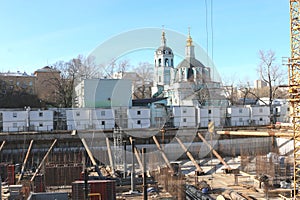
(27, 120)
(238, 116)
(138, 117)
(87, 119)
(184, 116)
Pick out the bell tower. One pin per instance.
(163, 65)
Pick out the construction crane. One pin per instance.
(294, 87)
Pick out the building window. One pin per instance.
(240, 110)
(167, 62)
(260, 119)
(30, 83)
(184, 111)
(138, 112)
(159, 78)
(41, 124)
(78, 123)
(103, 123)
(240, 119)
(41, 114)
(102, 113)
(260, 110)
(18, 83)
(184, 119)
(3, 91)
(15, 114)
(15, 125)
(288, 109)
(209, 111)
(159, 62)
(77, 114)
(138, 122)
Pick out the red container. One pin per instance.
(39, 185)
(10, 174)
(106, 189)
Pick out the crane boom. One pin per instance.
(294, 86)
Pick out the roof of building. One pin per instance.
(18, 73)
(145, 102)
(191, 63)
(164, 49)
(47, 69)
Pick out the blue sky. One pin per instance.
(35, 33)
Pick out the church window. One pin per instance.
(166, 62)
(159, 62)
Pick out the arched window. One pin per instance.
(166, 62)
(159, 62)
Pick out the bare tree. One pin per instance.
(64, 84)
(71, 73)
(84, 68)
(271, 74)
(230, 90)
(247, 92)
(142, 85)
(115, 67)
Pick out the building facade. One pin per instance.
(103, 93)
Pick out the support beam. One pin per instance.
(137, 154)
(25, 161)
(145, 194)
(2, 145)
(111, 162)
(91, 157)
(256, 133)
(214, 152)
(163, 154)
(199, 169)
(43, 160)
